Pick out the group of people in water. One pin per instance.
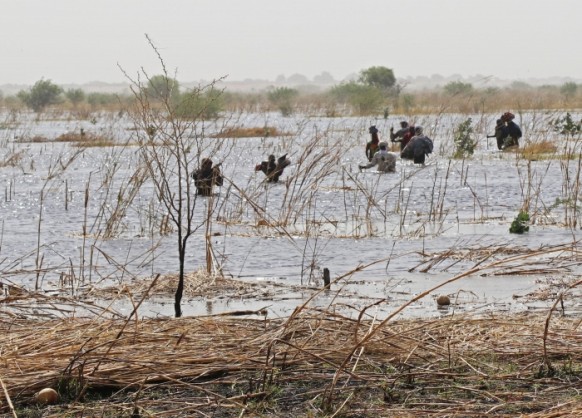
(209, 175)
(414, 145)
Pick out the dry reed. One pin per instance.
(242, 132)
(223, 365)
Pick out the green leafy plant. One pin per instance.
(520, 223)
(464, 142)
(566, 125)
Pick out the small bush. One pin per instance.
(464, 142)
(200, 104)
(520, 223)
(535, 150)
(283, 97)
(85, 140)
(566, 125)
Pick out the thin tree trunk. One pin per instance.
(180, 289)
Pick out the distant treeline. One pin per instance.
(376, 91)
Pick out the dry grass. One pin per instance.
(242, 132)
(539, 150)
(13, 159)
(313, 363)
(77, 139)
(34, 139)
(85, 140)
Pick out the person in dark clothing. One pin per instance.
(500, 133)
(407, 137)
(372, 145)
(398, 136)
(514, 133)
(507, 131)
(273, 169)
(206, 177)
(418, 148)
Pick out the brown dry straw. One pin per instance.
(235, 366)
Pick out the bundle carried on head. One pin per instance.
(507, 116)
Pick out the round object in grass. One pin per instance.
(46, 396)
(443, 300)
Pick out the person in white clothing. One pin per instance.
(385, 160)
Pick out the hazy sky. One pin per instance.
(78, 41)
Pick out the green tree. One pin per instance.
(44, 93)
(75, 96)
(455, 88)
(102, 99)
(162, 87)
(206, 103)
(365, 99)
(520, 85)
(569, 89)
(282, 97)
(379, 77)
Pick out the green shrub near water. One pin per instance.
(200, 104)
(464, 142)
(520, 223)
(283, 97)
(566, 125)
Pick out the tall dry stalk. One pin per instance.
(55, 170)
(571, 177)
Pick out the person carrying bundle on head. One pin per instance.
(418, 148)
(513, 130)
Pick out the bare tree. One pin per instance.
(172, 140)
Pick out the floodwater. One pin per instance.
(385, 238)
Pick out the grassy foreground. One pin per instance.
(314, 363)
